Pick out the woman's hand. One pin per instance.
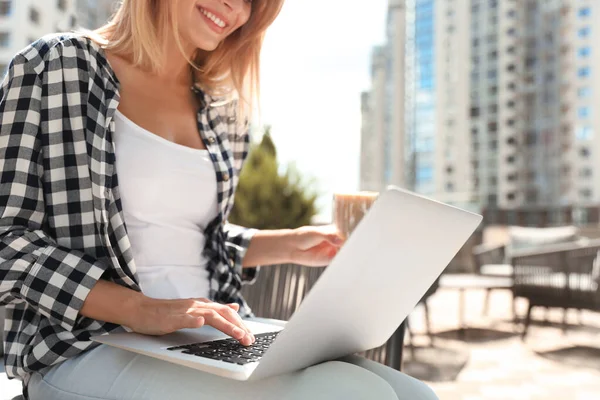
(159, 317)
(314, 246)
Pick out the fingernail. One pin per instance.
(250, 337)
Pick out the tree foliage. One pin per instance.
(267, 198)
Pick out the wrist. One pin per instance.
(288, 245)
(133, 307)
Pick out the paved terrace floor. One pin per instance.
(492, 363)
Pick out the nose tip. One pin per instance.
(233, 5)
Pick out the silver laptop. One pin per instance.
(394, 255)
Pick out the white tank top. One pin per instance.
(169, 195)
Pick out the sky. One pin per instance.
(315, 63)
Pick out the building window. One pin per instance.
(531, 196)
(510, 196)
(585, 31)
(585, 173)
(511, 177)
(5, 7)
(585, 92)
(585, 193)
(584, 72)
(424, 174)
(34, 15)
(4, 39)
(62, 5)
(584, 112)
(584, 133)
(584, 152)
(511, 141)
(585, 12)
(449, 187)
(510, 159)
(584, 51)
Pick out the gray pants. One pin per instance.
(110, 373)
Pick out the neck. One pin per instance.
(176, 68)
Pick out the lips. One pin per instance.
(215, 21)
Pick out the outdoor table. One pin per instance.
(463, 282)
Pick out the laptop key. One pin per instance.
(230, 350)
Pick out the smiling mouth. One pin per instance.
(215, 20)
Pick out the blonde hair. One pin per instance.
(139, 29)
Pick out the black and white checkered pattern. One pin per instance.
(61, 222)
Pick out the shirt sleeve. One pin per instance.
(237, 241)
(53, 279)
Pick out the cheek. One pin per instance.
(245, 17)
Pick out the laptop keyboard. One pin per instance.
(230, 350)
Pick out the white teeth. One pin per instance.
(214, 18)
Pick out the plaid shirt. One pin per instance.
(61, 221)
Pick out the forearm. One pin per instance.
(269, 247)
(110, 302)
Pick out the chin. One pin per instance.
(206, 45)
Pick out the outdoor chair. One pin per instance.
(495, 259)
(430, 292)
(566, 276)
(280, 289)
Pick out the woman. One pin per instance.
(136, 125)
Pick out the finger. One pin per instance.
(188, 321)
(230, 315)
(234, 306)
(216, 320)
(335, 239)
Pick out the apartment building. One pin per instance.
(24, 21)
(92, 14)
(532, 120)
(497, 102)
